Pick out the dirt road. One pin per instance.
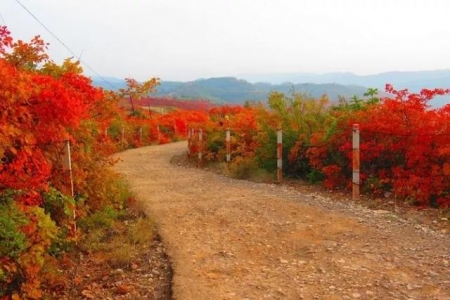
(231, 239)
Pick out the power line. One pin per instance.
(3, 20)
(64, 45)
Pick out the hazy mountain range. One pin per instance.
(258, 86)
(414, 81)
(232, 90)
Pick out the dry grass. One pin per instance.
(129, 242)
(119, 235)
(141, 232)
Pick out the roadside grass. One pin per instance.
(121, 235)
(117, 238)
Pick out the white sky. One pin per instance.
(189, 39)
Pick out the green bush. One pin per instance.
(101, 219)
(58, 206)
(315, 176)
(119, 193)
(12, 240)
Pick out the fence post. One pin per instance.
(228, 144)
(356, 178)
(279, 155)
(140, 135)
(189, 143)
(157, 130)
(200, 147)
(67, 166)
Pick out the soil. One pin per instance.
(91, 277)
(235, 239)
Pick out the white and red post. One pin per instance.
(189, 142)
(200, 147)
(159, 133)
(228, 144)
(356, 177)
(279, 155)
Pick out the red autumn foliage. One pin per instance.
(405, 144)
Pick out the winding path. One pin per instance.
(231, 239)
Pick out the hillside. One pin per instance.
(237, 91)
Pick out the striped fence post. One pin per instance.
(356, 177)
(200, 147)
(157, 130)
(189, 143)
(192, 137)
(279, 155)
(228, 144)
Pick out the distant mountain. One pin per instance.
(225, 89)
(237, 91)
(109, 83)
(414, 81)
(258, 86)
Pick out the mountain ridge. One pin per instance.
(257, 86)
(236, 91)
(413, 80)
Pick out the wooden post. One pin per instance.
(67, 166)
(279, 155)
(189, 143)
(356, 178)
(228, 144)
(140, 135)
(157, 130)
(200, 147)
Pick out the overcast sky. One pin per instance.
(190, 39)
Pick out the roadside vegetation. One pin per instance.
(405, 143)
(53, 208)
